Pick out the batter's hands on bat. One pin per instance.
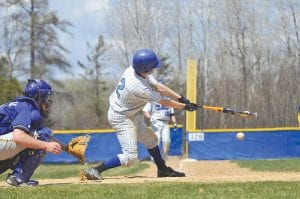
(184, 100)
(191, 107)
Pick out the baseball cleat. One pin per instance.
(30, 183)
(169, 172)
(14, 180)
(92, 174)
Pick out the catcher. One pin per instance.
(24, 141)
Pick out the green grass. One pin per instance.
(279, 165)
(162, 190)
(255, 190)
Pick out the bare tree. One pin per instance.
(288, 87)
(37, 34)
(134, 25)
(94, 73)
(11, 44)
(247, 51)
(241, 47)
(9, 87)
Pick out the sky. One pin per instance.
(86, 17)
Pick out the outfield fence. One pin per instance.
(212, 144)
(262, 143)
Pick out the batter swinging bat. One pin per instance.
(242, 113)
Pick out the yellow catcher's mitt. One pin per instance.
(77, 147)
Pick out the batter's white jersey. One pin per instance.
(158, 111)
(132, 93)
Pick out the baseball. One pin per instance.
(240, 136)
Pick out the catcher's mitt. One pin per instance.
(77, 147)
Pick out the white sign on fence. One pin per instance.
(196, 136)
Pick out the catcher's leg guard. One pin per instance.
(4, 165)
(29, 160)
(18, 180)
(8, 164)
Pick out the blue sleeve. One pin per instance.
(23, 119)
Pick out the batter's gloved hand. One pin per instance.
(191, 107)
(184, 100)
(77, 147)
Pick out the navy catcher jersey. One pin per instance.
(17, 114)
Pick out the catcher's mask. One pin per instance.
(41, 92)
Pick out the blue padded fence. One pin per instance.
(261, 144)
(104, 145)
(208, 145)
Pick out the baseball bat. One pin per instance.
(241, 113)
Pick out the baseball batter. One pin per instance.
(135, 88)
(23, 139)
(160, 116)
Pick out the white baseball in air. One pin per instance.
(240, 136)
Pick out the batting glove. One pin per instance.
(184, 100)
(191, 107)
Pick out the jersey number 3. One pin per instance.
(120, 87)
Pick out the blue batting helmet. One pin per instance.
(145, 60)
(41, 92)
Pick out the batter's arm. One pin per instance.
(166, 91)
(172, 103)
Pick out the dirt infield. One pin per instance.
(196, 171)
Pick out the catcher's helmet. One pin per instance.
(41, 92)
(145, 60)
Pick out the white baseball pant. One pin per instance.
(129, 131)
(9, 148)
